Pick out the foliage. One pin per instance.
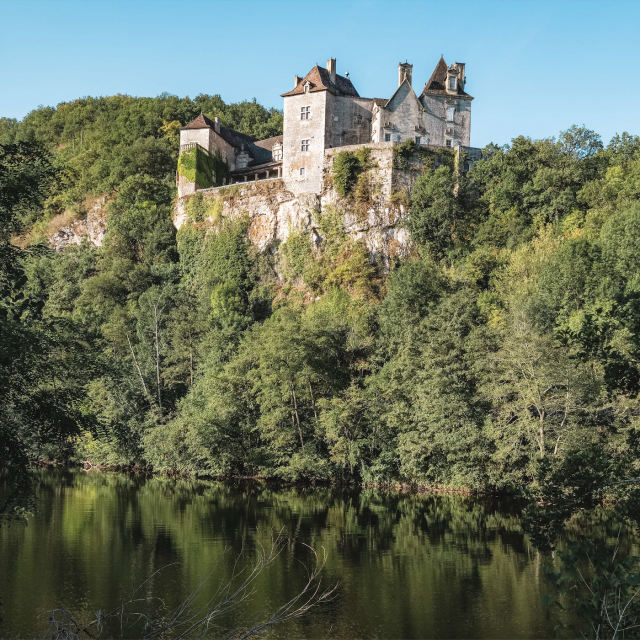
(606, 602)
(206, 170)
(428, 159)
(42, 359)
(438, 214)
(96, 143)
(348, 172)
(507, 341)
(594, 578)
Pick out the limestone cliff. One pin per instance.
(64, 231)
(278, 207)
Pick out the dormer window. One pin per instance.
(306, 86)
(452, 83)
(305, 113)
(277, 153)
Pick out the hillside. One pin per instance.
(508, 335)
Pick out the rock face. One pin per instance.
(92, 227)
(277, 208)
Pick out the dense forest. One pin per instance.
(506, 345)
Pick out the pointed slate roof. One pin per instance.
(437, 84)
(438, 79)
(320, 80)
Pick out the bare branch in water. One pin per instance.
(187, 621)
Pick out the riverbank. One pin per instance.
(399, 487)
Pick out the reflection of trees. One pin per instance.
(432, 552)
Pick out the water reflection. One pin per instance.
(409, 566)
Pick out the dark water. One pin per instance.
(408, 566)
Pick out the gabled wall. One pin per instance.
(404, 112)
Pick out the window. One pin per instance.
(305, 113)
(448, 143)
(301, 171)
(452, 83)
(387, 137)
(417, 139)
(305, 145)
(450, 112)
(277, 153)
(466, 166)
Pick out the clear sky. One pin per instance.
(534, 68)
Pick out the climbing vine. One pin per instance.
(199, 166)
(348, 170)
(429, 158)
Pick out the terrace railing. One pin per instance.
(191, 145)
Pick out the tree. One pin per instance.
(540, 397)
(40, 362)
(437, 211)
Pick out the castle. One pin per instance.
(324, 111)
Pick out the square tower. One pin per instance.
(309, 125)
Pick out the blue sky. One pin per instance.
(534, 68)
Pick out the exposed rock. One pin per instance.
(275, 209)
(92, 227)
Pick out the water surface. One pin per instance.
(408, 565)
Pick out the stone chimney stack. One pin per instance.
(216, 122)
(296, 81)
(331, 68)
(461, 77)
(405, 70)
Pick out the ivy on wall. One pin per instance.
(206, 170)
(429, 158)
(347, 168)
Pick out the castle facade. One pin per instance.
(324, 111)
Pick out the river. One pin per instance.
(406, 565)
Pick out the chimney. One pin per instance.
(216, 122)
(331, 68)
(296, 81)
(405, 70)
(461, 77)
